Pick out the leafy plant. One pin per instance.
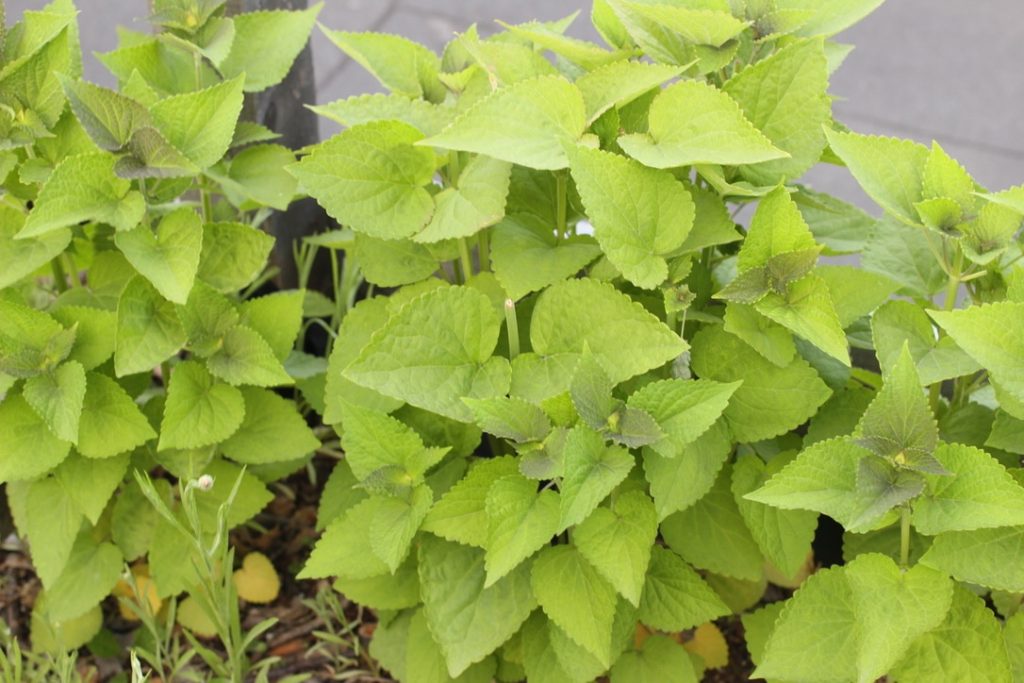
(131, 333)
(592, 411)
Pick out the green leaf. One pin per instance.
(108, 117)
(992, 335)
(777, 228)
(395, 522)
(52, 521)
(288, 32)
(385, 592)
(521, 521)
(201, 124)
(675, 597)
(823, 478)
(31, 341)
(773, 341)
(981, 494)
(840, 226)
(429, 118)
(855, 622)
(344, 548)
(583, 53)
(169, 256)
(84, 188)
(966, 646)
(460, 515)
(592, 470)
(712, 535)
(659, 660)
(476, 201)
(246, 358)
(28, 448)
(21, 257)
(258, 176)
(200, 411)
(576, 598)
(696, 26)
(432, 365)
(277, 318)
(527, 123)
(526, 256)
(393, 263)
(91, 483)
(148, 329)
(807, 309)
(93, 570)
(624, 337)
(57, 398)
(899, 252)
(373, 441)
(619, 83)
(855, 292)
(944, 177)
(468, 620)
(233, 255)
(617, 541)
(678, 482)
(684, 409)
(695, 123)
(94, 345)
(888, 169)
(111, 421)
(401, 65)
(639, 214)
(371, 178)
(785, 97)
(899, 423)
(357, 327)
(755, 411)
(272, 431)
(510, 418)
(784, 536)
(828, 17)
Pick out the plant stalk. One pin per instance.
(512, 327)
(905, 537)
(465, 260)
(561, 190)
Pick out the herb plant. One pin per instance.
(589, 409)
(131, 335)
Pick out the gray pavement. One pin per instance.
(927, 69)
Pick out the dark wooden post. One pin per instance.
(282, 109)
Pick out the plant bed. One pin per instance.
(589, 396)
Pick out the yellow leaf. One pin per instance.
(192, 617)
(709, 644)
(792, 582)
(144, 587)
(257, 581)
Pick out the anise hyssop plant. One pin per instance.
(595, 411)
(130, 336)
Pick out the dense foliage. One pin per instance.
(608, 376)
(130, 338)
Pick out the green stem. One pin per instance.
(484, 250)
(60, 278)
(72, 269)
(207, 203)
(905, 537)
(561, 191)
(454, 168)
(512, 327)
(467, 263)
